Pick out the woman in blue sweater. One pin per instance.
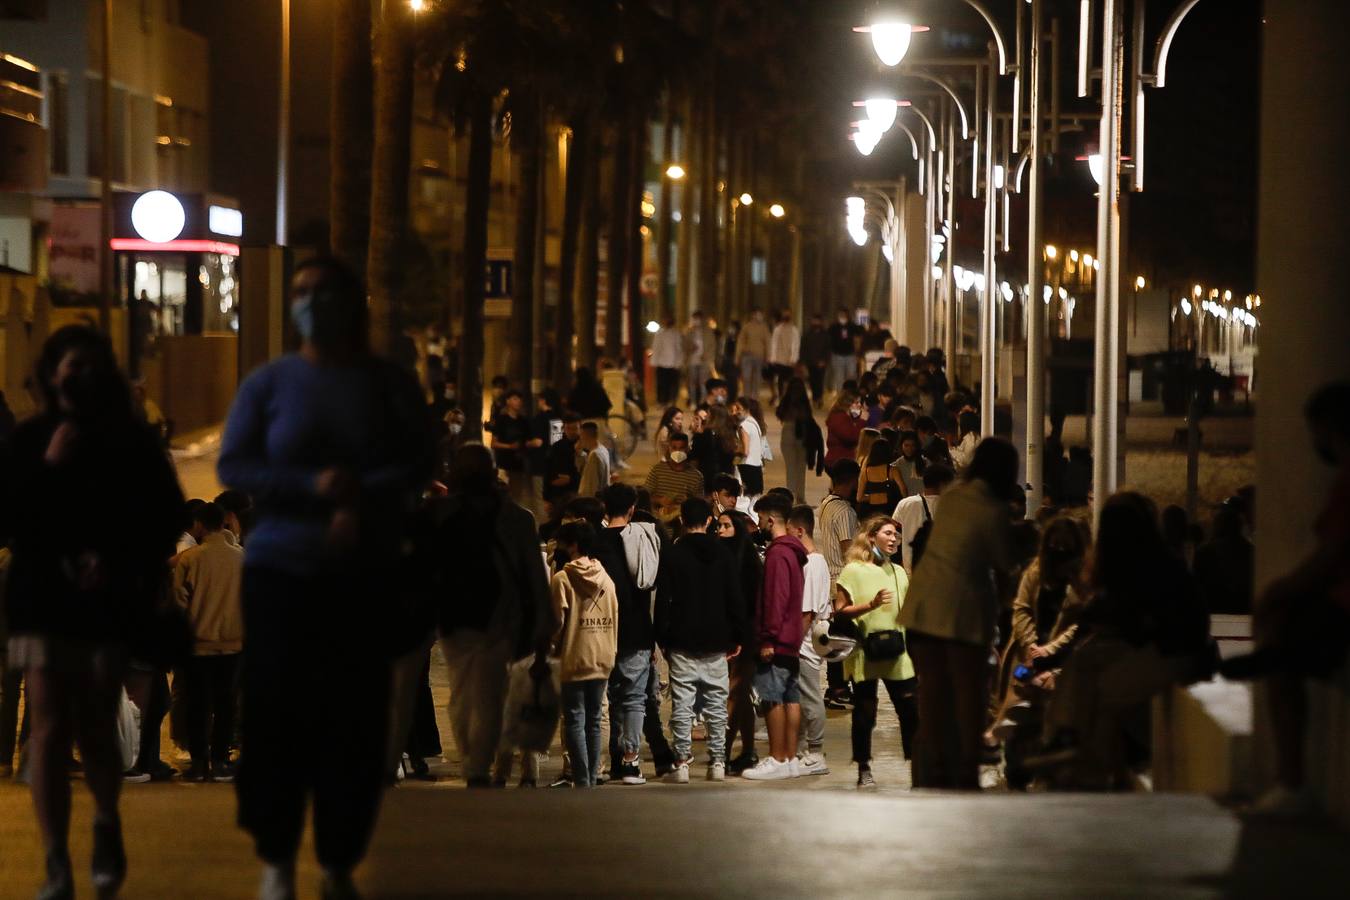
(332, 444)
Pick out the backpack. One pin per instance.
(921, 534)
(642, 552)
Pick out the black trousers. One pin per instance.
(904, 698)
(816, 375)
(314, 681)
(667, 386)
(210, 685)
(152, 718)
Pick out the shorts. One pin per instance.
(752, 479)
(776, 682)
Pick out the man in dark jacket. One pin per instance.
(815, 355)
(698, 619)
(778, 626)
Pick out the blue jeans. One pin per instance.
(628, 699)
(842, 368)
(776, 682)
(698, 682)
(581, 702)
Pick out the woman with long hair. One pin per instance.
(82, 588)
(714, 446)
(843, 428)
(750, 418)
(880, 486)
(332, 444)
(871, 591)
(952, 613)
(909, 463)
(672, 421)
(968, 438)
(802, 443)
(737, 529)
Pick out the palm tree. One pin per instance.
(527, 139)
(352, 131)
(390, 170)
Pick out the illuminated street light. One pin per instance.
(1227, 296)
(653, 326)
(417, 5)
(746, 199)
(1197, 291)
(1051, 251)
(881, 111)
(1185, 306)
(1095, 166)
(675, 171)
(891, 40)
(777, 211)
(1139, 283)
(1073, 255)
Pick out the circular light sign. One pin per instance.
(158, 216)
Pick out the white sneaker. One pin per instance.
(768, 769)
(278, 882)
(717, 771)
(680, 774)
(813, 764)
(794, 769)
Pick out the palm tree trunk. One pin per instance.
(352, 129)
(619, 234)
(708, 200)
(637, 257)
(664, 308)
(526, 132)
(578, 169)
(470, 381)
(589, 287)
(390, 171)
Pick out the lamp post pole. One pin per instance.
(1106, 389)
(284, 123)
(1035, 306)
(105, 255)
(988, 315)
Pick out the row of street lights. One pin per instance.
(891, 35)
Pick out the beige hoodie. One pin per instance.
(584, 601)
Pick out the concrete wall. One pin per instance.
(1303, 235)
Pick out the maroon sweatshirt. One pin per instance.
(778, 616)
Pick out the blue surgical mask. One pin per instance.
(302, 316)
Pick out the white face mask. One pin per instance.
(678, 456)
(455, 427)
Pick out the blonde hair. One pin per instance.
(868, 437)
(863, 542)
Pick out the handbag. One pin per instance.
(883, 646)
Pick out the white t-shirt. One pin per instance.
(909, 513)
(815, 598)
(754, 443)
(186, 542)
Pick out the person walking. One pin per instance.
(668, 359)
(802, 443)
(700, 355)
(333, 444)
(950, 615)
(750, 423)
(784, 349)
(492, 601)
(843, 428)
(511, 439)
(206, 581)
(871, 592)
(586, 643)
(595, 466)
(845, 339)
(815, 356)
(699, 620)
(752, 352)
(80, 592)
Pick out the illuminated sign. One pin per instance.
(226, 221)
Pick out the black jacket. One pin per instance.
(699, 608)
(635, 606)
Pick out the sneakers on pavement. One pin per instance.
(769, 769)
(680, 774)
(278, 882)
(628, 772)
(813, 764)
(717, 771)
(195, 774)
(135, 776)
(223, 772)
(865, 780)
(794, 768)
(740, 764)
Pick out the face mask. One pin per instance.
(322, 319)
(678, 456)
(855, 412)
(455, 428)
(877, 555)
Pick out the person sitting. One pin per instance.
(1143, 628)
(1225, 565)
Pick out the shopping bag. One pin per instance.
(533, 705)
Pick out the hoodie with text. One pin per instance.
(585, 602)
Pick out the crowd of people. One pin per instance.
(693, 605)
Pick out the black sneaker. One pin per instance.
(161, 771)
(629, 772)
(195, 773)
(223, 772)
(562, 782)
(742, 762)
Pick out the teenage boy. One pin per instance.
(816, 607)
(727, 495)
(632, 665)
(778, 627)
(838, 523)
(585, 604)
(698, 615)
(595, 467)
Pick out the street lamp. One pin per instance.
(777, 211)
(746, 199)
(1051, 251)
(881, 112)
(1139, 283)
(675, 171)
